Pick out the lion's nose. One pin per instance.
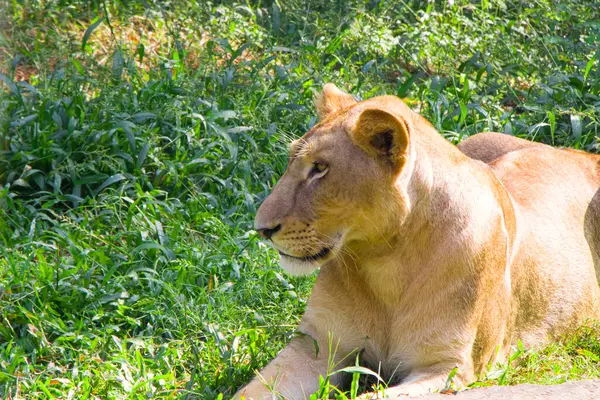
(268, 232)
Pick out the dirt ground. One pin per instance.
(577, 390)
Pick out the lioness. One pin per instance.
(430, 258)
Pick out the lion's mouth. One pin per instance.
(321, 254)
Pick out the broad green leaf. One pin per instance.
(144, 116)
(113, 179)
(118, 64)
(152, 245)
(576, 126)
(78, 66)
(128, 127)
(589, 66)
(89, 31)
(10, 84)
(86, 180)
(24, 121)
(142, 155)
(227, 114)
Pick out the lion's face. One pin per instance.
(339, 178)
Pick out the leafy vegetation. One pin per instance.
(137, 139)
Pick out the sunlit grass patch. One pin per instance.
(575, 356)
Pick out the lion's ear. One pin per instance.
(382, 134)
(332, 100)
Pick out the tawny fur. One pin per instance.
(438, 259)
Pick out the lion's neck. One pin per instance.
(428, 239)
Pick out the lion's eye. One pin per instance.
(318, 170)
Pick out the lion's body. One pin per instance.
(555, 193)
(430, 259)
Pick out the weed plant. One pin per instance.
(137, 139)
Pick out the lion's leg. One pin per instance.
(419, 382)
(293, 374)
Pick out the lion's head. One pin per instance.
(342, 187)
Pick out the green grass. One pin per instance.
(138, 138)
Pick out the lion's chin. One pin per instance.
(298, 267)
(306, 265)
